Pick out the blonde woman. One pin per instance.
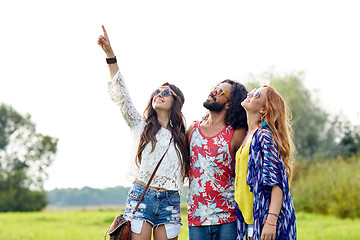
(265, 209)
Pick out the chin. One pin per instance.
(155, 107)
(160, 108)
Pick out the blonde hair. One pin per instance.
(277, 116)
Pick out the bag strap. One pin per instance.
(151, 178)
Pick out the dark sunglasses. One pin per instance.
(254, 93)
(164, 93)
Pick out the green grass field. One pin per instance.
(92, 224)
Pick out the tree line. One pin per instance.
(87, 196)
(26, 154)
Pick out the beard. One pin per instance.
(214, 106)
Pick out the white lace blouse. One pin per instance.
(168, 176)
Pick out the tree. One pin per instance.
(24, 157)
(343, 138)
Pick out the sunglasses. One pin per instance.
(254, 93)
(164, 93)
(220, 92)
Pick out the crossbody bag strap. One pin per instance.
(151, 178)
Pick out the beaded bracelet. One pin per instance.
(271, 224)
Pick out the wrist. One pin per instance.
(111, 60)
(273, 214)
(110, 55)
(271, 218)
(270, 223)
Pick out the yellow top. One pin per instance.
(243, 197)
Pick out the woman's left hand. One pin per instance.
(268, 232)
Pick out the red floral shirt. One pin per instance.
(212, 175)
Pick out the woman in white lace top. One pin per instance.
(161, 127)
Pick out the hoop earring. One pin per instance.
(262, 118)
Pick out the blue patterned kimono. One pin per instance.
(265, 170)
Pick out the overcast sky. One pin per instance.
(53, 69)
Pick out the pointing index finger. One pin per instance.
(105, 33)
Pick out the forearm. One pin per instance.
(275, 204)
(113, 68)
(269, 228)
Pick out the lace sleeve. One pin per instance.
(120, 95)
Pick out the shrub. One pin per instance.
(329, 187)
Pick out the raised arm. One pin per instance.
(104, 42)
(117, 88)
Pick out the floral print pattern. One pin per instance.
(211, 183)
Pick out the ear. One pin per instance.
(227, 105)
(262, 110)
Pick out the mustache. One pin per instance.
(212, 96)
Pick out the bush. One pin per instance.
(329, 187)
(22, 200)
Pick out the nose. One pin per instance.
(250, 94)
(159, 94)
(213, 91)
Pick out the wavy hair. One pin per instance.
(177, 123)
(277, 116)
(236, 114)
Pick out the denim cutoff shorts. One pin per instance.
(156, 208)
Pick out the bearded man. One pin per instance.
(213, 144)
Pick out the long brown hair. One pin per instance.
(177, 123)
(277, 116)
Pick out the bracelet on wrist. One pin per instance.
(271, 224)
(111, 60)
(273, 214)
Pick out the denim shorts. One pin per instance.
(156, 208)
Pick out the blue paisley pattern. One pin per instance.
(266, 169)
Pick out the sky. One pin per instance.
(53, 69)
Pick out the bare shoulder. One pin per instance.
(190, 128)
(241, 132)
(238, 137)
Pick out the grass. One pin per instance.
(68, 224)
(318, 227)
(90, 224)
